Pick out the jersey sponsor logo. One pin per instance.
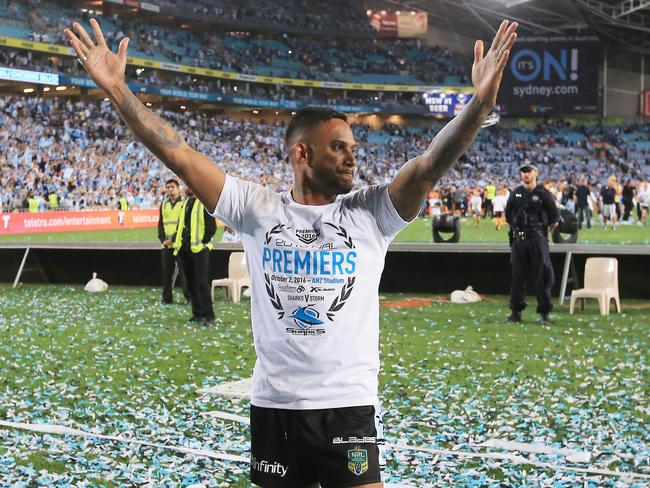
(358, 461)
(318, 289)
(264, 466)
(307, 235)
(354, 440)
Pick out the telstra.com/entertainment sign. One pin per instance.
(551, 75)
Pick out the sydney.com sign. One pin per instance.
(551, 76)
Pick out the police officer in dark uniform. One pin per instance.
(531, 211)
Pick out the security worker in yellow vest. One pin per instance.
(53, 200)
(122, 203)
(192, 246)
(170, 211)
(33, 204)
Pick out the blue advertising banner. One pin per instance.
(446, 103)
(551, 76)
(28, 76)
(216, 97)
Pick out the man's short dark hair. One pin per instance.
(172, 181)
(310, 117)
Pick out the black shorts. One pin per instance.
(337, 447)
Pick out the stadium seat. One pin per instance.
(601, 283)
(238, 277)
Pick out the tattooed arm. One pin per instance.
(417, 177)
(204, 177)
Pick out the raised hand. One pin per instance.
(487, 71)
(105, 68)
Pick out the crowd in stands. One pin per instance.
(374, 60)
(85, 155)
(296, 13)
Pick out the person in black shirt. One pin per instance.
(608, 203)
(530, 212)
(627, 197)
(582, 203)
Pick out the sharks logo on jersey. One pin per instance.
(305, 317)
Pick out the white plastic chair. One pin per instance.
(601, 283)
(238, 277)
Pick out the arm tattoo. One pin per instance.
(153, 131)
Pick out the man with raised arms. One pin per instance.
(315, 256)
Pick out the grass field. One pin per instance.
(418, 231)
(453, 376)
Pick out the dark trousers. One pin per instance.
(168, 260)
(488, 209)
(584, 213)
(197, 267)
(531, 255)
(628, 206)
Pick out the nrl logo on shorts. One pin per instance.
(307, 235)
(358, 461)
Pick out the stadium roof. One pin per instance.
(623, 23)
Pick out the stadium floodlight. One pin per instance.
(28, 90)
(61, 88)
(46, 89)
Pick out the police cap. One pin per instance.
(525, 168)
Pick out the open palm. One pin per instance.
(487, 70)
(105, 67)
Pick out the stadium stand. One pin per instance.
(388, 102)
(310, 15)
(81, 151)
(382, 61)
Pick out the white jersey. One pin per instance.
(475, 203)
(644, 197)
(315, 274)
(499, 203)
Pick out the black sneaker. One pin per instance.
(193, 318)
(514, 317)
(545, 319)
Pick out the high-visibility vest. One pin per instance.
(54, 200)
(33, 205)
(491, 191)
(124, 203)
(171, 212)
(197, 227)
